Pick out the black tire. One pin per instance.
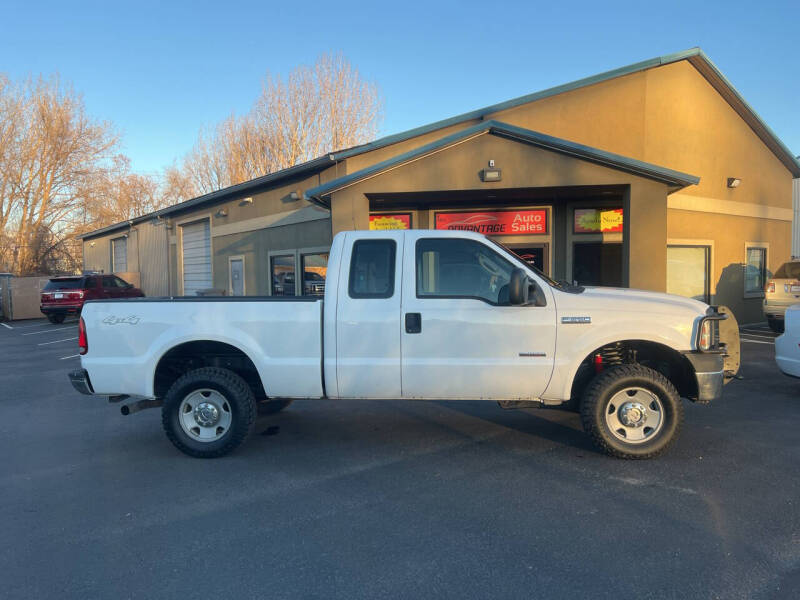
(596, 404)
(56, 319)
(776, 325)
(270, 407)
(236, 392)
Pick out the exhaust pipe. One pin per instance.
(133, 407)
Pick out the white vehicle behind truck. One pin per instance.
(423, 315)
(787, 346)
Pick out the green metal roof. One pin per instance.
(534, 138)
(252, 186)
(694, 55)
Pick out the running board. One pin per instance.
(512, 404)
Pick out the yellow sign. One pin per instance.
(383, 222)
(594, 220)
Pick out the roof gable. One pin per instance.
(670, 177)
(695, 56)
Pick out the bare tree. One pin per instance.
(51, 155)
(59, 175)
(118, 194)
(316, 109)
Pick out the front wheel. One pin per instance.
(632, 412)
(208, 412)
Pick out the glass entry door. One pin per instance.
(597, 263)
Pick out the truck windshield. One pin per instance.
(559, 285)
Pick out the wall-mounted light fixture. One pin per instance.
(292, 197)
(491, 174)
(733, 182)
(245, 201)
(221, 213)
(91, 244)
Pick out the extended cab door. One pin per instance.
(461, 338)
(368, 316)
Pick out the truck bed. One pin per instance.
(281, 335)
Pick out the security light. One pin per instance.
(245, 201)
(734, 182)
(221, 213)
(488, 175)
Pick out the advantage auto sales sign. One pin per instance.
(499, 222)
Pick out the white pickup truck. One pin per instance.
(421, 315)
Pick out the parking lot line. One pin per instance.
(6, 326)
(71, 356)
(49, 330)
(57, 341)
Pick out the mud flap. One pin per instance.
(729, 338)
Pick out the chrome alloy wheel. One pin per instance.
(205, 415)
(635, 415)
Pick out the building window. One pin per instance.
(314, 268)
(689, 271)
(119, 255)
(372, 269)
(282, 272)
(755, 269)
(453, 268)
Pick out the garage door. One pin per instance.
(196, 257)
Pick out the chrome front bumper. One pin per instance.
(709, 372)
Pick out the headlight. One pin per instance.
(706, 338)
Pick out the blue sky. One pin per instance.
(162, 70)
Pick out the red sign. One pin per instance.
(396, 221)
(495, 222)
(598, 220)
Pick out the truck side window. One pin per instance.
(456, 268)
(372, 269)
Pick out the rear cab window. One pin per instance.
(76, 283)
(372, 269)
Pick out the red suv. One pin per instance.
(63, 296)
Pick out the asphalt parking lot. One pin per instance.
(391, 499)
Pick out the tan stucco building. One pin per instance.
(656, 176)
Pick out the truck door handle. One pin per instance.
(413, 323)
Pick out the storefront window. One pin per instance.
(315, 269)
(688, 271)
(282, 272)
(755, 270)
(597, 263)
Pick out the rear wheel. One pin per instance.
(208, 412)
(776, 325)
(56, 319)
(632, 411)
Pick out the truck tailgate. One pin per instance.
(128, 337)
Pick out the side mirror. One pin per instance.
(518, 287)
